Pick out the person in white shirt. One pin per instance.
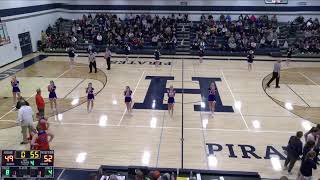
(99, 39)
(285, 45)
(107, 56)
(92, 61)
(25, 120)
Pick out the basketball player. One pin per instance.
(43, 123)
(107, 56)
(127, 51)
(41, 140)
(52, 96)
(171, 93)
(250, 57)
(71, 55)
(289, 55)
(90, 97)
(92, 61)
(157, 57)
(128, 99)
(201, 54)
(212, 97)
(15, 90)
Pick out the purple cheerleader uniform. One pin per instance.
(52, 93)
(127, 96)
(212, 94)
(15, 86)
(171, 95)
(90, 93)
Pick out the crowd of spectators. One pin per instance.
(246, 32)
(224, 33)
(306, 33)
(109, 29)
(55, 38)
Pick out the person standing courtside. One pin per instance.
(275, 74)
(157, 57)
(40, 103)
(72, 55)
(307, 166)
(92, 61)
(250, 58)
(294, 150)
(25, 120)
(107, 56)
(289, 55)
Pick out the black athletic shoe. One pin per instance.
(24, 142)
(277, 86)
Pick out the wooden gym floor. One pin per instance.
(248, 139)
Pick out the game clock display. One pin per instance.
(27, 164)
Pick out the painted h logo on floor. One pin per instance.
(157, 90)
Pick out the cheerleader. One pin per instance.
(201, 54)
(250, 57)
(52, 95)
(212, 97)
(15, 90)
(90, 97)
(171, 93)
(127, 98)
(157, 57)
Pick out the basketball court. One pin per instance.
(248, 132)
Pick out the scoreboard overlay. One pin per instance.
(27, 164)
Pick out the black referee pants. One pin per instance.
(94, 65)
(276, 76)
(109, 63)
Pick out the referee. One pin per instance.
(107, 56)
(92, 61)
(276, 74)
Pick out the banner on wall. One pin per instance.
(4, 37)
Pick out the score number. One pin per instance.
(47, 158)
(28, 154)
(8, 158)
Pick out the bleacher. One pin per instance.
(184, 42)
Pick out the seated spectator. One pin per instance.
(99, 39)
(74, 39)
(155, 40)
(232, 46)
(240, 17)
(203, 18)
(274, 19)
(174, 41)
(253, 18)
(262, 42)
(253, 45)
(222, 18)
(285, 45)
(228, 18)
(195, 45)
